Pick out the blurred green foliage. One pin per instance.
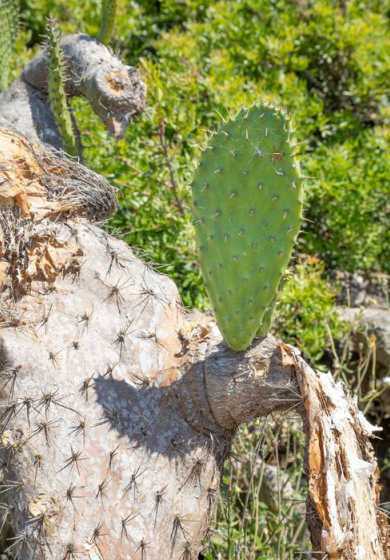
(261, 518)
(305, 313)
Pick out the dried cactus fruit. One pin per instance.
(247, 204)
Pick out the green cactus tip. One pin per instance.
(9, 22)
(56, 89)
(107, 20)
(247, 205)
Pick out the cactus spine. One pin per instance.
(56, 89)
(247, 204)
(9, 19)
(107, 21)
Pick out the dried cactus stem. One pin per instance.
(56, 90)
(107, 22)
(115, 91)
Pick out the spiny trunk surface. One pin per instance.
(118, 408)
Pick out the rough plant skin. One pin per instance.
(9, 18)
(117, 409)
(107, 23)
(115, 91)
(247, 199)
(56, 89)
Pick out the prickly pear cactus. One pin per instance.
(247, 204)
(56, 89)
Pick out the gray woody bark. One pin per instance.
(114, 90)
(118, 408)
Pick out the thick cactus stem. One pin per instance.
(9, 19)
(56, 89)
(107, 21)
(247, 199)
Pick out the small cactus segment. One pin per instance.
(9, 20)
(56, 89)
(247, 204)
(107, 22)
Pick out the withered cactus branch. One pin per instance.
(118, 408)
(114, 90)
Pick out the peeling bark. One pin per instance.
(343, 473)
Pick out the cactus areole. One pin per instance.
(247, 204)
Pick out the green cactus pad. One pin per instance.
(247, 204)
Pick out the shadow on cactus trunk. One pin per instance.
(118, 408)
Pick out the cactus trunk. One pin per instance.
(109, 445)
(117, 409)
